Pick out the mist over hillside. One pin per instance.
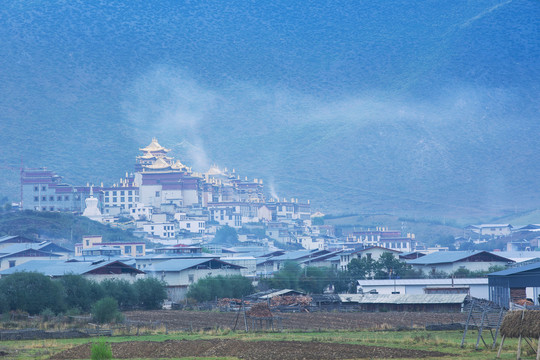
(425, 108)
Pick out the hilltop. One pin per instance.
(64, 229)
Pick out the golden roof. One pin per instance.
(159, 164)
(147, 155)
(214, 170)
(178, 165)
(154, 146)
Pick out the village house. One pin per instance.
(93, 245)
(494, 230)
(450, 261)
(96, 271)
(179, 274)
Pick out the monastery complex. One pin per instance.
(164, 197)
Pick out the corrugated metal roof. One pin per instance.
(14, 249)
(398, 299)
(280, 292)
(322, 257)
(58, 267)
(516, 270)
(430, 282)
(183, 264)
(442, 257)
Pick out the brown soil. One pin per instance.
(253, 350)
(197, 320)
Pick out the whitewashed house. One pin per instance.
(179, 274)
(451, 261)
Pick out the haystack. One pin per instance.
(513, 325)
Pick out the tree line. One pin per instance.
(35, 293)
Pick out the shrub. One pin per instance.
(106, 311)
(101, 351)
(47, 314)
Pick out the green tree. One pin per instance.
(343, 282)
(4, 304)
(123, 291)
(361, 268)
(80, 293)
(288, 277)
(106, 311)
(151, 292)
(226, 235)
(211, 287)
(32, 292)
(315, 279)
(388, 266)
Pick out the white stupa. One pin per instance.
(92, 211)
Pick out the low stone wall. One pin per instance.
(36, 334)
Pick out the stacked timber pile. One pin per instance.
(303, 301)
(229, 301)
(260, 310)
(521, 323)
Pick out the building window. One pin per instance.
(130, 192)
(12, 263)
(43, 198)
(151, 227)
(130, 199)
(139, 249)
(114, 199)
(122, 192)
(191, 278)
(127, 249)
(59, 198)
(157, 193)
(36, 188)
(43, 188)
(188, 225)
(51, 208)
(36, 198)
(122, 199)
(106, 199)
(51, 198)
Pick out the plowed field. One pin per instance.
(253, 350)
(197, 320)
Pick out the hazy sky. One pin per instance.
(407, 100)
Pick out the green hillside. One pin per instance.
(64, 229)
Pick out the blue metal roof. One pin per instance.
(442, 257)
(516, 270)
(59, 267)
(15, 249)
(183, 264)
(294, 255)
